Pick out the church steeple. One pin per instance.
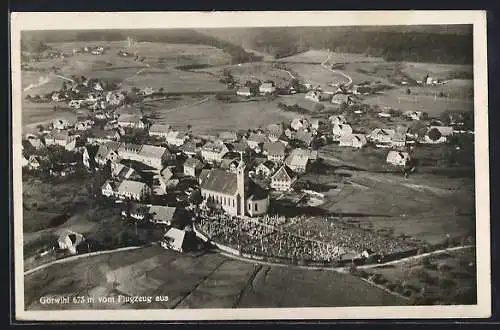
(241, 181)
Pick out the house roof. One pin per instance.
(383, 131)
(244, 90)
(152, 151)
(397, 154)
(298, 157)
(176, 237)
(268, 164)
(283, 174)
(112, 145)
(162, 212)
(255, 137)
(219, 180)
(189, 147)
(217, 146)
(267, 85)
(159, 128)
(275, 129)
(304, 136)
(129, 118)
(240, 146)
(130, 147)
(228, 136)
(101, 133)
(111, 183)
(274, 148)
(192, 162)
(58, 135)
(444, 130)
(130, 186)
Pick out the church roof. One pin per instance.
(219, 181)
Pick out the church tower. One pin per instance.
(241, 181)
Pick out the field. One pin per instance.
(386, 202)
(318, 56)
(398, 99)
(252, 71)
(317, 75)
(214, 116)
(439, 279)
(197, 281)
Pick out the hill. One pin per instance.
(450, 44)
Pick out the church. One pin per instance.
(235, 193)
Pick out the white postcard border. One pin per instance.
(144, 20)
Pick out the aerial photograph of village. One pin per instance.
(248, 167)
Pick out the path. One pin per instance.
(186, 106)
(79, 256)
(64, 78)
(323, 64)
(42, 81)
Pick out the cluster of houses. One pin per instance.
(266, 88)
(94, 50)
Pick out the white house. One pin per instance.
(265, 169)
(107, 152)
(341, 130)
(99, 136)
(283, 179)
(267, 88)
(69, 240)
(61, 138)
(135, 190)
(131, 121)
(353, 140)
(314, 96)
(176, 138)
(382, 135)
(297, 160)
(174, 239)
(275, 151)
(274, 132)
(61, 124)
(337, 119)
(192, 166)
(244, 91)
(398, 158)
(160, 130)
(213, 152)
(153, 156)
(414, 115)
(298, 124)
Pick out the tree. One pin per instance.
(434, 134)
(408, 91)
(318, 107)
(445, 117)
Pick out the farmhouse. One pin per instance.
(35, 142)
(314, 96)
(98, 136)
(229, 191)
(84, 125)
(32, 163)
(413, 115)
(189, 148)
(160, 130)
(76, 104)
(107, 152)
(163, 181)
(121, 172)
(341, 130)
(131, 121)
(341, 98)
(157, 214)
(135, 190)
(255, 141)
(274, 131)
(174, 239)
(147, 154)
(61, 124)
(299, 124)
(265, 169)
(337, 119)
(283, 179)
(228, 137)
(304, 136)
(267, 88)
(70, 240)
(244, 91)
(382, 135)
(397, 158)
(192, 166)
(444, 130)
(108, 189)
(353, 140)
(115, 98)
(297, 160)
(275, 151)
(61, 138)
(399, 138)
(213, 152)
(176, 138)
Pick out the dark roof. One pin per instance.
(219, 180)
(240, 146)
(304, 136)
(274, 148)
